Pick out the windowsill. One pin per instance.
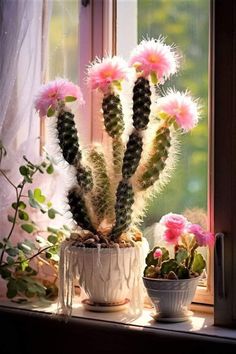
(199, 324)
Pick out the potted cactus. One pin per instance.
(171, 282)
(109, 188)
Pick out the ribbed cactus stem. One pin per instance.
(69, 144)
(84, 178)
(67, 136)
(132, 155)
(113, 115)
(118, 154)
(123, 209)
(102, 199)
(157, 161)
(141, 103)
(79, 210)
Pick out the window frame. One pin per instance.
(223, 188)
(222, 143)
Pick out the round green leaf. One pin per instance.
(5, 273)
(51, 213)
(23, 170)
(38, 196)
(10, 261)
(12, 251)
(23, 215)
(11, 288)
(52, 239)
(28, 228)
(50, 169)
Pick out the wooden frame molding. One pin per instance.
(224, 164)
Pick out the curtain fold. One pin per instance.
(23, 38)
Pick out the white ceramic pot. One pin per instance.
(171, 298)
(107, 275)
(110, 277)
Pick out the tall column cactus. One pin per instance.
(148, 59)
(106, 75)
(104, 195)
(51, 101)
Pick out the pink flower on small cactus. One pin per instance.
(154, 57)
(172, 235)
(203, 238)
(180, 107)
(174, 222)
(102, 73)
(55, 91)
(157, 254)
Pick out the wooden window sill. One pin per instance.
(40, 320)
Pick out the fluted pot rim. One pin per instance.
(171, 280)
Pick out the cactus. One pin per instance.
(113, 116)
(67, 136)
(106, 186)
(79, 210)
(157, 160)
(102, 198)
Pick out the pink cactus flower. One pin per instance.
(172, 236)
(180, 107)
(174, 222)
(50, 94)
(155, 57)
(157, 254)
(102, 73)
(203, 238)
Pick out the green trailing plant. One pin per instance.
(110, 185)
(22, 261)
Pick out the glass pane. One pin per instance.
(185, 23)
(63, 40)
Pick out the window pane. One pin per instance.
(63, 40)
(185, 23)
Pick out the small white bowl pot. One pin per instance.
(171, 298)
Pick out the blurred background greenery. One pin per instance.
(63, 40)
(185, 23)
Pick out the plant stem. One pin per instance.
(3, 173)
(18, 196)
(35, 255)
(18, 191)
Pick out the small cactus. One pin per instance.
(107, 182)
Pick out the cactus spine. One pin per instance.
(102, 199)
(157, 161)
(114, 125)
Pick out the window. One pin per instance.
(186, 24)
(99, 33)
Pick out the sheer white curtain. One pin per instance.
(23, 33)
(23, 38)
